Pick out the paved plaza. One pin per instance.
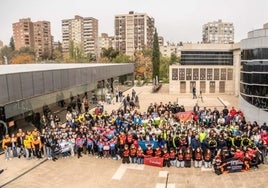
(88, 172)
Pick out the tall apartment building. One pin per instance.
(42, 39)
(133, 32)
(23, 33)
(105, 41)
(36, 35)
(82, 32)
(218, 32)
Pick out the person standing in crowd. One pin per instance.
(6, 145)
(140, 155)
(20, 139)
(207, 158)
(166, 157)
(37, 146)
(198, 158)
(126, 153)
(79, 145)
(194, 92)
(180, 159)
(14, 145)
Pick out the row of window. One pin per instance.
(212, 87)
(257, 53)
(202, 74)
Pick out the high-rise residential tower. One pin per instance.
(218, 32)
(133, 32)
(82, 33)
(23, 33)
(36, 35)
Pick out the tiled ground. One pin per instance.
(103, 173)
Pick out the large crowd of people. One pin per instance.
(208, 138)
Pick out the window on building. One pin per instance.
(211, 87)
(181, 74)
(195, 74)
(203, 86)
(209, 74)
(182, 87)
(216, 74)
(229, 74)
(223, 74)
(222, 87)
(174, 74)
(202, 74)
(188, 74)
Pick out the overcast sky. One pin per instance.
(176, 20)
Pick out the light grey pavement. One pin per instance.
(88, 172)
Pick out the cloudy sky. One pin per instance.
(176, 20)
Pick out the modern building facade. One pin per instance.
(27, 88)
(253, 97)
(81, 34)
(133, 32)
(36, 35)
(218, 32)
(210, 68)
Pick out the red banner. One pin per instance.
(185, 116)
(154, 161)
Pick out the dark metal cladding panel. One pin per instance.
(57, 80)
(38, 83)
(65, 79)
(71, 77)
(84, 76)
(48, 81)
(94, 74)
(89, 75)
(14, 87)
(3, 90)
(27, 84)
(77, 76)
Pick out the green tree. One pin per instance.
(7, 52)
(174, 59)
(156, 56)
(121, 58)
(27, 50)
(12, 44)
(164, 68)
(71, 50)
(109, 53)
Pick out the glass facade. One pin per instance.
(257, 53)
(254, 83)
(207, 58)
